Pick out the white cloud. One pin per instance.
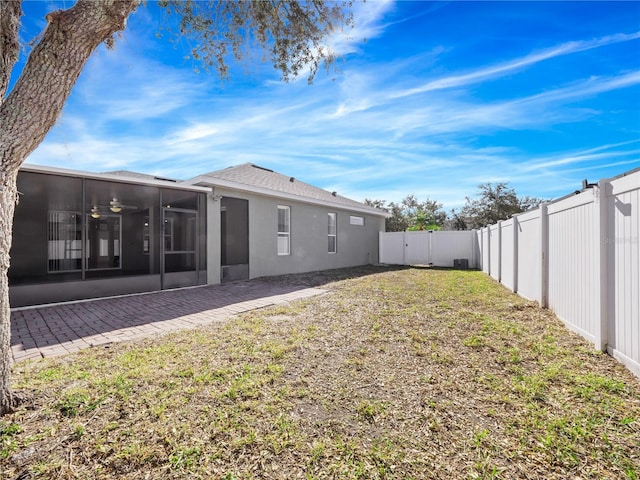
(513, 65)
(587, 157)
(589, 87)
(368, 17)
(145, 90)
(198, 131)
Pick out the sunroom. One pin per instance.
(78, 235)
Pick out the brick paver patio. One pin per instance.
(64, 328)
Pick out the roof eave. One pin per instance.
(208, 181)
(115, 178)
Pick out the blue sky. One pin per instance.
(442, 96)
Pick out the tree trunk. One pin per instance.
(31, 109)
(7, 206)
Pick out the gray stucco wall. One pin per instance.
(356, 245)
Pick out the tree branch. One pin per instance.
(35, 102)
(10, 13)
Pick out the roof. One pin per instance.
(143, 176)
(255, 179)
(121, 176)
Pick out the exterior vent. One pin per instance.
(262, 168)
(461, 263)
(334, 193)
(163, 179)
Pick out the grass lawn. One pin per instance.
(393, 374)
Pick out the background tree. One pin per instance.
(396, 222)
(426, 215)
(290, 33)
(492, 203)
(455, 221)
(411, 214)
(381, 204)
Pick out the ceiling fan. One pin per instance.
(115, 205)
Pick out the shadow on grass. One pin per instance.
(325, 277)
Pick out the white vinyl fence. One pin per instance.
(435, 248)
(579, 256)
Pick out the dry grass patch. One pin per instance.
(394, 374)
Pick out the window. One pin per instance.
(353, 220)
(284, 230)
(333, 240)
(65, 241)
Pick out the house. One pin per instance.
(272, 224)
(83, 235)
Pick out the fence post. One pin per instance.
(515, 253)
(482, 247)
(474, 239)
(500, 251)
(488, 247)
(544, 256)
(602, 329)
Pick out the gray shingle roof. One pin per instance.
(254, 176)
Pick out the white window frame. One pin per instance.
(356, 220)
(333, 235)
(283, 238)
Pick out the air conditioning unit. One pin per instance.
(461, 263)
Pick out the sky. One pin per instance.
(427, 98)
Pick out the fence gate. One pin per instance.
(417, 248)
(405, 248)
